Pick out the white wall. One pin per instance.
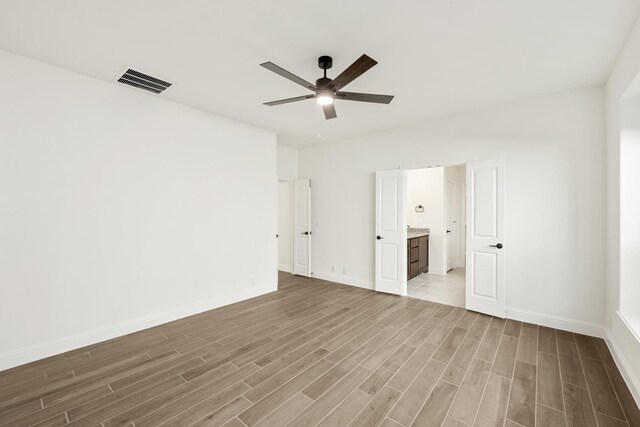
(630, 211)
(625, 342)
(120, 210)
(426, 187)
(285, 226)
(287, 159)
(554, 148)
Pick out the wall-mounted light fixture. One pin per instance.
(419, 208)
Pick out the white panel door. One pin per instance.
(451, 215)
(391, 232)
(485, 289)
(302, 227)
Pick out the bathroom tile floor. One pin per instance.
(448, 289)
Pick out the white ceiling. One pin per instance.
(438, 57)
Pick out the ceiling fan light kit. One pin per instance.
(327, 90)
(324, 97)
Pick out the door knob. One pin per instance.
(448, 231)
(499, 246)
(379, 237)
(306, 233)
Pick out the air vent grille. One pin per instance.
(143, 81)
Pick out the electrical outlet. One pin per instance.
(344, 270)
(333, 268)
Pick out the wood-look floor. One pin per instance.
(317, 353)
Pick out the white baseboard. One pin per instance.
(622, 362)
(556, 322)
(345, 280)
(285, 268)
(63, 344)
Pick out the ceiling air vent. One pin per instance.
(143, 81)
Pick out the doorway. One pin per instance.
(435, 216)
(285, 226)
(483, 228)
(294, 227)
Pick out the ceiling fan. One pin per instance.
(327, 90)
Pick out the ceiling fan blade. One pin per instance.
(352, 72)
(288, 100)
(329, 111)
(287, 75)
(364, 97)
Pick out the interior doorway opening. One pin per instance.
(285, 226)
(485, 261)
(436, 234)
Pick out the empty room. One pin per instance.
(341, 213)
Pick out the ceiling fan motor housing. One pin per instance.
(325, 62)
(323, 82)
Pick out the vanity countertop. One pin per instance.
(412, 233)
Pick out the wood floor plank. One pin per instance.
(346, 349)
(274, 382)
(20, 411)
(335, 374)
(316, 352)
(549, 385)
(605, 421)
(493, 407)
(377, 409)
(549, 417)
(512, 328)
(204, 385)
(347, 410)
(467, 401)
(57, 421)
(218, 408)
(577, 404)
(587, 347)
(379, 378)
(63, 405)
(457, 367)
(403, 378)
(467, 320)
(313, 414)
(301, 354)
(450, 422)
(279, 396)
(479, 327)
(506, 356)
(522, 401)
(424, 331)
(434, 411)
(547, 340)
(110, 408)
(570, 365)
(409, 405)
(286, 412)
(450, 344)
(528, 344)
(491, 340)
(158, 410)
(384, 351)
(631, 410)
(604, 397)
(565, 336)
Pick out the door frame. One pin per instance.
(444, 163)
